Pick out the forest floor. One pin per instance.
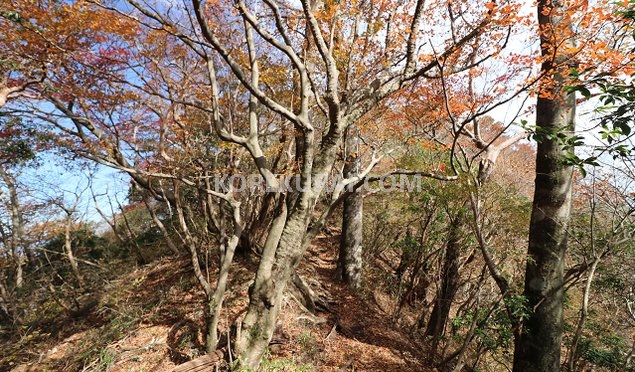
(149, 318)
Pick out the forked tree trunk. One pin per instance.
(287, 240)
(349, 265)
(538, 348)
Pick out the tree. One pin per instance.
(351, 243)
(200, 94)
(17, 151)
(13, 237)
(320, 109)
(69, 209)
(601, 232)
(538, 347)
(176, 94)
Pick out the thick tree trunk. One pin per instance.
(349, 265)
(449, 281)
(350, 256)
(538, 348)
(275, 270)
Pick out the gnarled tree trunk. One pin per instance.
(275, 270)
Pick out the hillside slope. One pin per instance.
(149, 319)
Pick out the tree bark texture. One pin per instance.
(538, 348)
(351, 243)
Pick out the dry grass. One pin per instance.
(128, 330)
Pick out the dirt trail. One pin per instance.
(366, 338)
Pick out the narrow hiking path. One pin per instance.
(367, 339)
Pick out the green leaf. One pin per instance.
(584, 91)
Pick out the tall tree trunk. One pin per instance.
(449, 281)
(538, 347)
(349, 265)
